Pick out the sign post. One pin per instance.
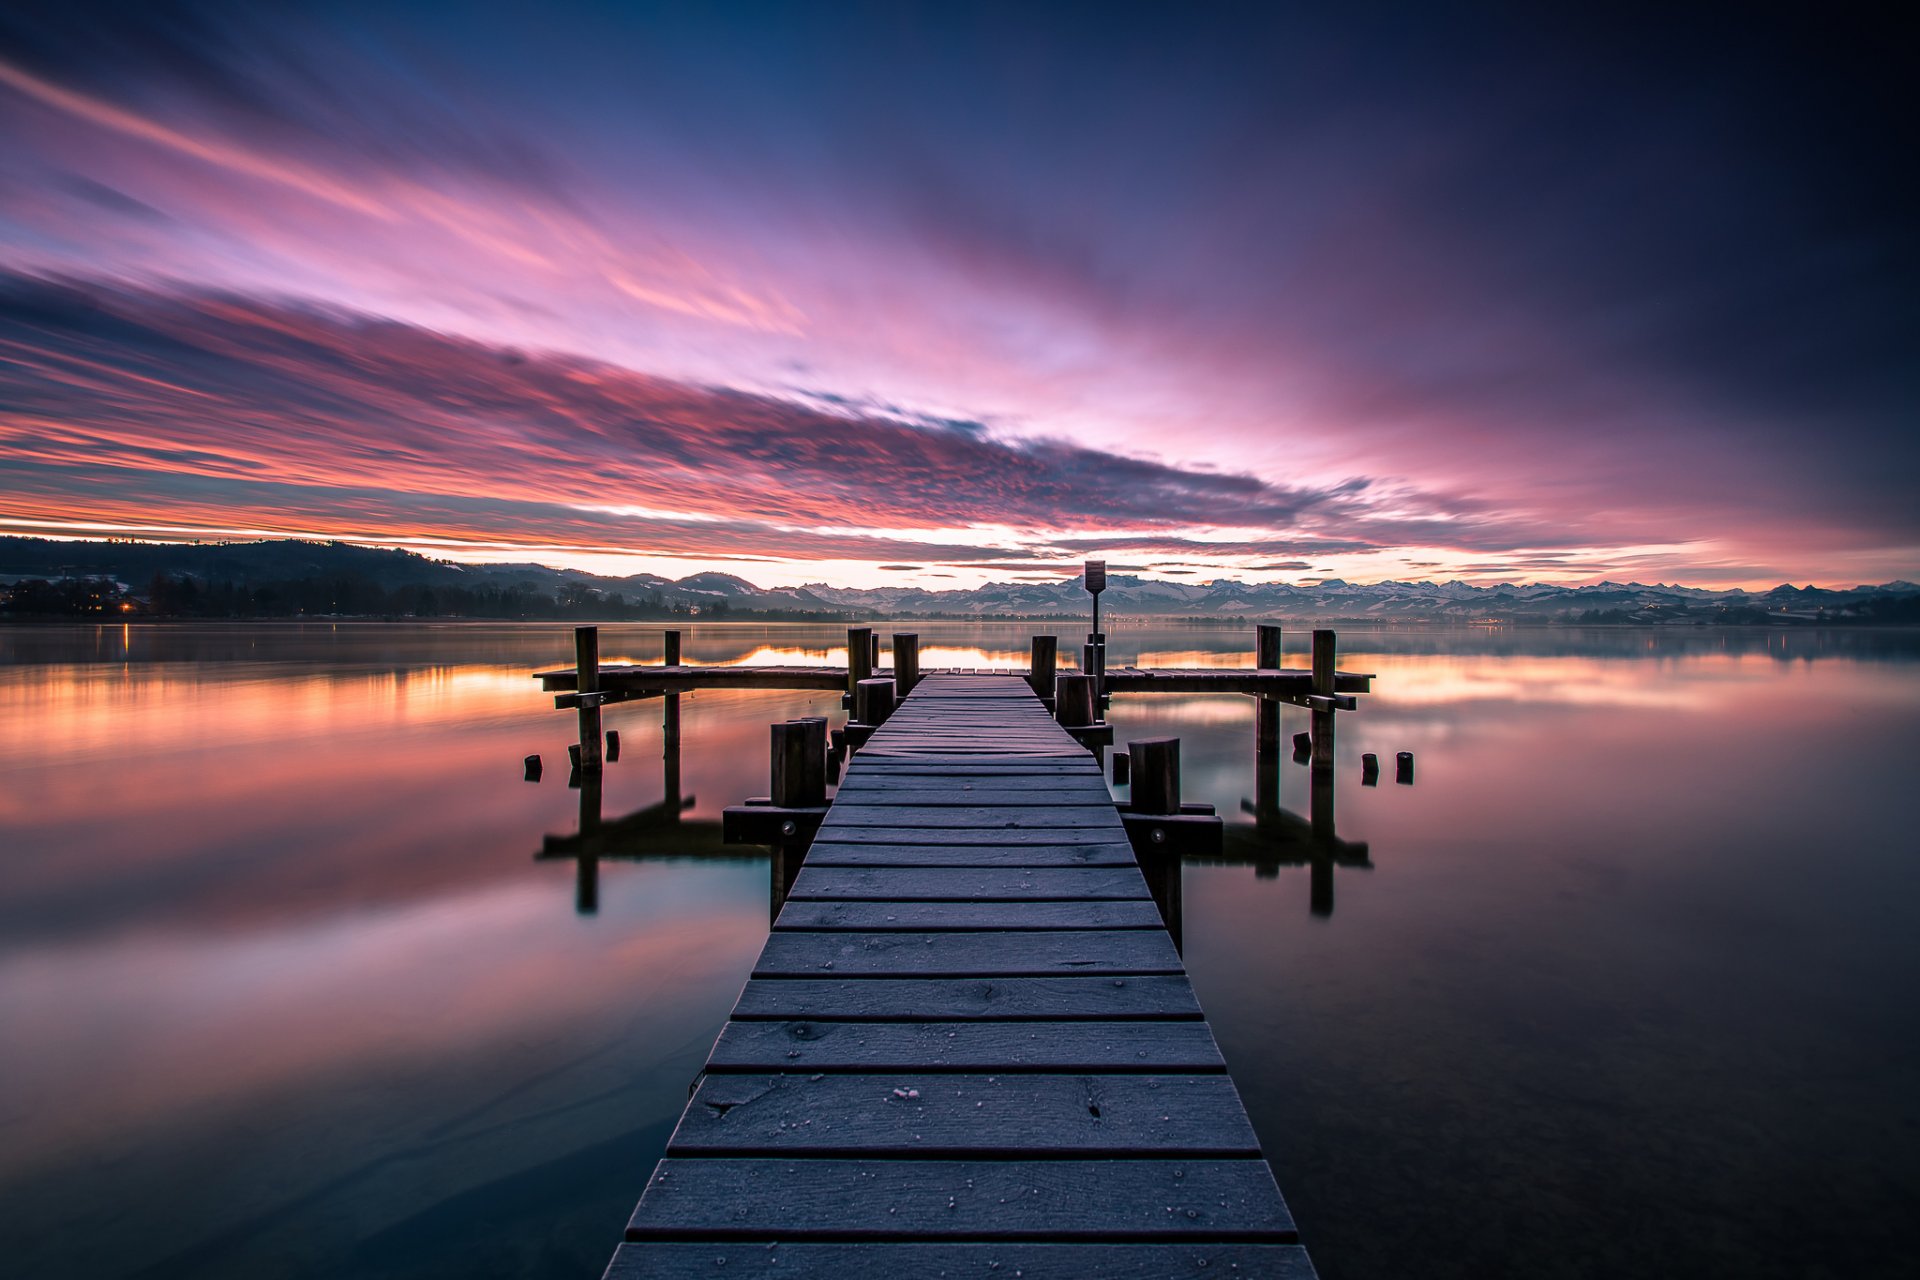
(1096, 582)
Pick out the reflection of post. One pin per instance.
(1266, 730)
(1320, 884)
(586, 898)
(1321, 803)
(586, 667)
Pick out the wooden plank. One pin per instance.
(880, 917)
(967, 955)
(943, 1116)
(889, 782)
(950, 999)
(966, 884)
(1004, 837)
(850, 848)
(1070, 1199)
(1185, 1047)
(1085, 793)
(859, 813)
(1206, 1259)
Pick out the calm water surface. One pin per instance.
(1626, 985)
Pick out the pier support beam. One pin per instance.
(1040, 668)
(859, 659)
(1266, 728)
(906, 664)
(586, 666)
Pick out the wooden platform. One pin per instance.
(968, 1048)
(624, 682)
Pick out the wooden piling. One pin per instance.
(532, 766)
(799, 764)
(586, 666)
(613, 745)
(1156, 775)
(1403, 767)
(906, 664)
(1323, 682)
(859, 659)
(1122, 768)
(873, 700)
(670, 643)
(1040, 668)
(1073, 700)
(1266, 727)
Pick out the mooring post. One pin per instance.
(1266, 728)
(859, 659)
(1155, 764)
(906, 664)
(799, 770)
(586, 670)
(1156, 775)
(670, 723)
(1073, 700)
(1040, 669)
(1093, 662)
(873, 701)
(1323, 646)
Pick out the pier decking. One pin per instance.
(969, 1046)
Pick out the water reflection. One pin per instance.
(282, 984)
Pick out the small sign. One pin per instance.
(1096, 576)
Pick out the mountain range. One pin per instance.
(257, 563)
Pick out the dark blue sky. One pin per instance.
(1370, 292)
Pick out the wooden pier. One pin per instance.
(969, 1047)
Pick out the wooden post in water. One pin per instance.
(1073, 700)
(906, 664)
(859, 659)
(1266, 728)
(670, 723)
(873, 701)
(586, 668)
(1156, 775)
(1155, 763)
(1323, 658)
(799, 770)
(1040, 669)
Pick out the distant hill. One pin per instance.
(293, 576)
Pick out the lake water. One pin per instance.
(1626, 987)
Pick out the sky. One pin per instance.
(938, 295)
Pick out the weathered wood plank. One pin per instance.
(967, 955)
(966, 884)
(859, 813)
(1084, 795)
(1185, 1047)
(953, 999)
(1089, 1200)
(848, 850)
(938, 1116)
(865, 782)
(860, 1260)
(881, 917)
(1056, 837)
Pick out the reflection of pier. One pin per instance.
(658, 831)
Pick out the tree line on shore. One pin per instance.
(184, 596)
